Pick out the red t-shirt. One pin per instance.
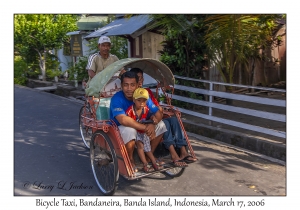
(131, 113)
(152, 97)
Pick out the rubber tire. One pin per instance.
(106, 177)
(86, 140)
(174, 172)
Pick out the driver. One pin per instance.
(128, 127)
(100, 60)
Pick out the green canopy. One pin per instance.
(154, 68)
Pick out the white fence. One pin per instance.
(254, 99)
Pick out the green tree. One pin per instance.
(40, 33)
(235, 39)
(19, 73)
(184, 46)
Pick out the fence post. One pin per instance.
(210, 100)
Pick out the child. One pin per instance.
(139, 112)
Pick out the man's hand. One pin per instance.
(155, 121)
(150, 131)
(129, 122)
(122, 72)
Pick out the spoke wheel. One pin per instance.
(85, 132)
(104, 163)
(174, 172)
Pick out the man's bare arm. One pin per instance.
(129, 122)
(158, 115)
(161, 109)
(91, 73)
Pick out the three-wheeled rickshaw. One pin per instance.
(101, 135)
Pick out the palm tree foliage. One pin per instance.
(227, 40)
(184, 42)
(236, 39)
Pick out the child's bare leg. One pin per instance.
(130, 147)
(151, 157)
(155, 165)
(140, 150)
(141, 153)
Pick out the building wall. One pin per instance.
(151, 44)
(147, 45)
(65, 60)
(281, 50)
(85, 48)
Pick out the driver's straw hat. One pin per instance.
(140, 93)
(103, 39)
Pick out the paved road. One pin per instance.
(49, 158)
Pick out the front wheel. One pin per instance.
(86, 132)
(104, 163)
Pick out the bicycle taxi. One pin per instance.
(108, 154)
